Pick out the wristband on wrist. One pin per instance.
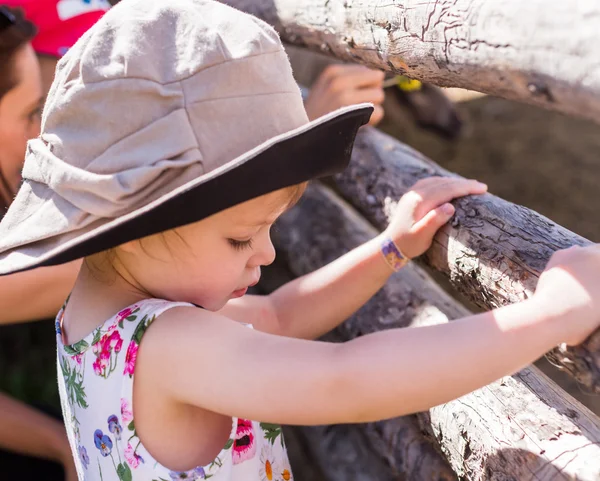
(392, 255)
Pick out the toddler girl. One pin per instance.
(173, 138)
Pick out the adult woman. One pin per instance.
(22, 428)
(21, 99)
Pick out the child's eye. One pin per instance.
(240, 244)
(34, 114)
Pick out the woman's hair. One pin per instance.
(15, 32)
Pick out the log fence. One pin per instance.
(542, 52)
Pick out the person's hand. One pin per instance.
(570, 285)
(343, 85)
(426, 208)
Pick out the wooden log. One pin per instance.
(543, 52)
(345, 453)
(522, 427)
(493, 251)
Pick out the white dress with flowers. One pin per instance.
(96, 386)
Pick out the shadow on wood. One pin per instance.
(526, 412)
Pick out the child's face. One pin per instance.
(212, 261)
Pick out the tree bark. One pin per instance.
(522, 427)
(543, 52)
(493, 251)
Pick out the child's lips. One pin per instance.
(239, 292)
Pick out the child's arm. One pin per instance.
(317, 302)
(196, 357)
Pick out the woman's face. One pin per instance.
(20, 110)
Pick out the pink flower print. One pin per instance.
(244, 447)
(130, 358)
(126, 414)
(77, 358)
(113, 341)
(103, 349)
(133, 458)
(125, 313)
(101, 363)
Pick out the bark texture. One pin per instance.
(522, 427)
(544, 52)
(493, 251)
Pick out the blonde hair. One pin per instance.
(102, 263)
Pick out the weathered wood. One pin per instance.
(344, 453)
(493, 251)
(522, 427)
(544, 52)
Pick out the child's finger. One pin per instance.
(427, 227)
(438, 193)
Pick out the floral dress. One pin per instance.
(96, 385)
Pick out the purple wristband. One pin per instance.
(392, 255)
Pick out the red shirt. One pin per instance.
(59, 22)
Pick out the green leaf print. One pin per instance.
(79, 393)
(228, 444)
(97, 336)
(131, 426)
(124, 472)
(76, 348)
(141, 328)
(73, 384)
(272, 431)
(131, 317)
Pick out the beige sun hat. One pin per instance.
(162, 114)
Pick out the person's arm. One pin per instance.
(313, 304)
(199, 358)
(30, 432)
(36, 294)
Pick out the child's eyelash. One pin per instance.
(34, 113)
(240, 245)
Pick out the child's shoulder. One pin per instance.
(184, 331)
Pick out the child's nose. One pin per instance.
(265, 256)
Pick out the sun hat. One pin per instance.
(162, 114)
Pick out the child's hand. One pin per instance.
(571, 285)
(424, 209)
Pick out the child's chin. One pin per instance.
(213, 306)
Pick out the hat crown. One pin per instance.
(165, 41)
(156, 94)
